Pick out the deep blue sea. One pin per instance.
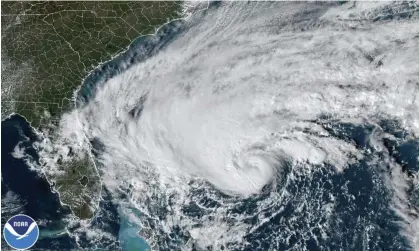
(361, 220)
(362, 201)
(36, 198)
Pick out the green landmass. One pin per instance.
(79, 187)
(48, 48)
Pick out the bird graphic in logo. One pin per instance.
(20, 236)
(21, 232)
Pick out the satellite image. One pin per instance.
(207, 125)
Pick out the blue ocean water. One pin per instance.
(37, 199)
(362, 217)
(362, 201)
(128, 234)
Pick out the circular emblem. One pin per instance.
(21, 232)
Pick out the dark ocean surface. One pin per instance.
(36, 198)
(362, 218)
(362, 201)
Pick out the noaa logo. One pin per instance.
(21, 232)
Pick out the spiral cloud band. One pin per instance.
(240, 94)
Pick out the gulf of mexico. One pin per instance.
(28, 192)
(35, 195)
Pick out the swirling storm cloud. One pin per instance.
(246, 115)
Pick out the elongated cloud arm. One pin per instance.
(227, 124)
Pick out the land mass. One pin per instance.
(48, 48)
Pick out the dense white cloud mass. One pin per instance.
(235, 96)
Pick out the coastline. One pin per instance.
(99, 75)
